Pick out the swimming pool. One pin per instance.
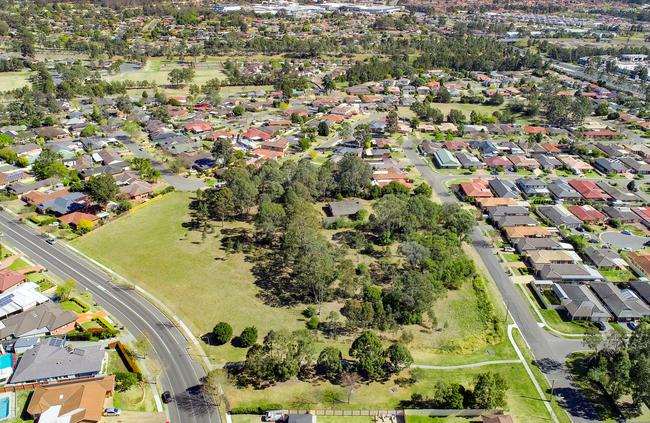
(4, 408)
(6, 361)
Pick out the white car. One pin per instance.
(273, 416)
(112, 411)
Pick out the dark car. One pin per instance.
(167, 397)
(632, 325)
(600, 325)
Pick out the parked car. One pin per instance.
(632, 325)
(626, 232)
(166, 397)
(600, 325)
(273, 416)
(112, 412)
(508, 249)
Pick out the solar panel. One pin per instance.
(56, 342)
(6, 300)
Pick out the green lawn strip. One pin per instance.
(19, 264)
(136, 398)
(522, 398)
(72, 306)
(511, 257)
(617, 275)
(561, 414)
(552, 317)
(22, 399)
(425, 419)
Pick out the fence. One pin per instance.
(401, 413)
(349, 413)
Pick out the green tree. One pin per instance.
(49, 164)
(65, 289)
(362, 134)
(353, 175)
(125, 380)
(222, 204)
(85, 226)
(456, 116)
(443, 95)
(489, 391)
(392, 122)
(102, 188)
(458, 220)
(248, 337)
(223, 152)
(368, 351)
(323, 129)
(244, 188)
(222, 333)
(269, 219)
(330, 363)
(399, 357)
(238, 111)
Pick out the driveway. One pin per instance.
(619, 240)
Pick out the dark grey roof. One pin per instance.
(40, 320)
(562, 190)
(568, 272)
(530, 244)
(580, 302)
(344, 208)
(624, 214)
(604, 257)
(508, 221)
(642, 288)
(50, 360)
(617, 193)
(559, 216)
(620, 304)
(609, 165)
(504, 188)
(497, 211)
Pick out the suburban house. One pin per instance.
(477, 188)
(504, 188)
(522, 162)
(642, 289)
(604, 258)
(570, 163)
(10, 278)
(44, 319)
(538, 258)
(52, 360)
(495, 162)
(444, 159)
(516, 232)
(468, 160)
(560, 190)
(71, 402)
(589, 190)
(640, 262)
(524, 245)
(623, 304)
(580, 302)
(21, 298)
(568, 273)
(623, 214)
(559, 216)
(65, 204)
(588, 214)
(137, 191)
(617, 194)
(532, 187)
(507, 221)
(345, 208)
(608, 166)
(636, 166)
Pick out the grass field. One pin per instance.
(203, 285)
(522, 399)
(157, 69)
(13, 80)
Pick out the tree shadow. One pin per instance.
(547, 365)
(277, 288)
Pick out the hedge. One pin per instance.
(126, 356)
(260, 409)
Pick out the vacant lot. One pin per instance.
(13, 80)
(204, 285)
(157, 70)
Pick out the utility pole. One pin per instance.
(552, 390)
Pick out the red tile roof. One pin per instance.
(587, 214)
(10, 278)
(588, 190)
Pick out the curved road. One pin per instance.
(550, 351)
(179, 370)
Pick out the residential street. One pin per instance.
(550, 351)
(170, 348)
(178, 182)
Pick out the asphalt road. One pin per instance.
(550, 351)
(179, 182)
(179, 370)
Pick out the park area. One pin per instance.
(202, 284)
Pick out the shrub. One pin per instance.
(125, 380)
(309, 312)
(248, 337)
(222, 333)
(313, 323)
(85, 226)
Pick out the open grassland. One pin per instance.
(157, 70)
(204, 285)
(13, 80)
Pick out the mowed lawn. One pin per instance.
(522, 398)
(196, 280)
(157, 70)
(13, 80)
